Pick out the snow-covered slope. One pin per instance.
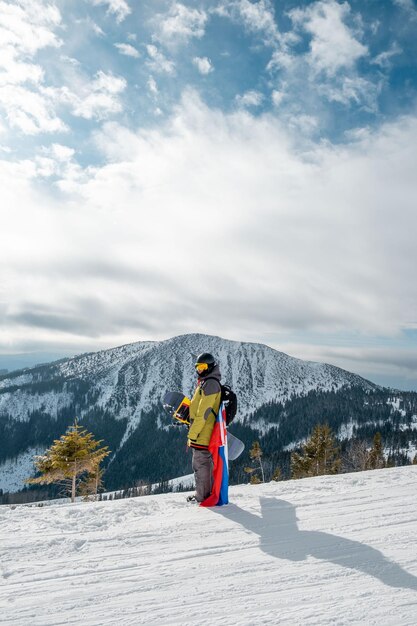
(14, 472)
(316, 552)
(133, 378)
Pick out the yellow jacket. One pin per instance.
(204, 407)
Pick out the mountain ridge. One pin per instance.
(257, 372)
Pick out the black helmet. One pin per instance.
(205, 363)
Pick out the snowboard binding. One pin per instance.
(178, 407)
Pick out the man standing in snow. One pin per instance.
(204, 407)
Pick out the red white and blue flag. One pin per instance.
(218, 448)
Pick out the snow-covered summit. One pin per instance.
(133, 378)
(320, 551)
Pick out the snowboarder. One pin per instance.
(204, 407)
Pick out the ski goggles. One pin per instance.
(201, 367)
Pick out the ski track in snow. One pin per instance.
(334, 550)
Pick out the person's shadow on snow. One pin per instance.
(281, 538)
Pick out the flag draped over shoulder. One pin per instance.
(218, 448)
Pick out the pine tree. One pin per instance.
(319, 456)
(255, 454)
(376, 458)
(73, 457)
(301, 465)
(276, 476)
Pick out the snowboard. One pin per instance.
(178, 407)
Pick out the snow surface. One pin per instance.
(334, 550)
(21, 402)
(183, 482)
(395, 403)
(14, 472)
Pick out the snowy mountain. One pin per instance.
(319, 551)
(116, 393)
(132, 378)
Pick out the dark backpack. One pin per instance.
(229, 398)
(230, 403)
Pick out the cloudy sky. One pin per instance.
(244, 168)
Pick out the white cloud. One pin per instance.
(323, 243)
(333, 45)
(70, 60)
(158, 61)
(251, 98)
(28, 26)
(14, 71)
(180, 24)
(29, 111)
(363, 133)
(119, 8)
(383, 59)
(127, 50)
(408, 6)
(108, 82)
(98, 30)
(203, 64)
(152, 86)
(329, 70)
(305, 124)
(25, 29)
(30, 104)
(96, 98)
(277, 97)
(100, 98)
(393, 365)
(353, 89)
(54, 160)
(256, 17)
(281, 59)
(61, 153)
